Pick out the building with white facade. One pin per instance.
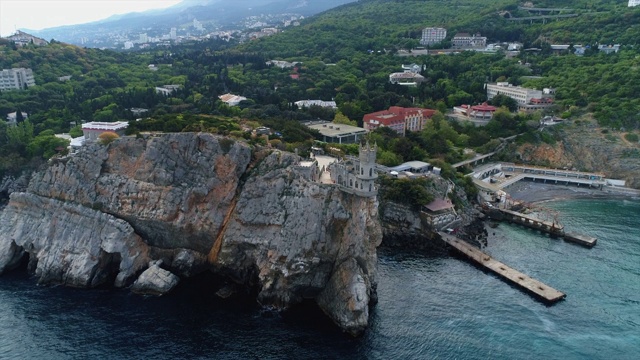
(12, 118)
(232, 100)
(432, 35)
(21, 38)
(16, 79)
(308, 103)
(406, 78)
(521, 95)
(92, 130)
(466, 41)
(633, 3)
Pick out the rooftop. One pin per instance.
(439, 205)
(333, 130)
(118, 125)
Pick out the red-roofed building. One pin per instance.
(399, 119)
(482, 111)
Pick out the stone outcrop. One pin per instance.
(199, 203)
(155, 281)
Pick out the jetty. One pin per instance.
(552, 228)
(532, 286)
(583, 240)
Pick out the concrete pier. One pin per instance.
(534, 287)
(583, 240)
(533, 223)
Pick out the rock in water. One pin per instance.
(199, 202)
(155, 281)
(349, 285)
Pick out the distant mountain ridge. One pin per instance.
(218, 13)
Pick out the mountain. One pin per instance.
(212, 14)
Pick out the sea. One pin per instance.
(430, 307)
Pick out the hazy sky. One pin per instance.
(41, 14)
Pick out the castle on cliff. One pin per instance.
(357, 175)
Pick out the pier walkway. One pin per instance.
(524, 282)
(533, 223)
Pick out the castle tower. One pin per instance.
(366, 174)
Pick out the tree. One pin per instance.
(19, 116)
(340, 118)
(108, 137)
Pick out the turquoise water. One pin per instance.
(430, 308)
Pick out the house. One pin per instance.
(16, 79)
(609, 49)
(308, 103)
(399, 119)
(232, 100)
(406, 78)
(64, 78)
(440, 212)
(12, 117)
(633, 3)
(138, 111)
(432, 35)
(412, 68)
(92, 130)
(466, 41)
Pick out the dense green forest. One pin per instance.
(345, 54)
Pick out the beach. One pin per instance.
(533, 192)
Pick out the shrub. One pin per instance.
(107, 137)
(631, 137)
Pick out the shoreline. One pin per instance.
(533, 192)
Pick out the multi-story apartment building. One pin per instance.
(16, 79)
(633, 3)
(399, 119)
(466, 41)
(432, 35)
(521, 95)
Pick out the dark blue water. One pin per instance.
(430, 308)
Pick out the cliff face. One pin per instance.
(197, 203)
(585, 147)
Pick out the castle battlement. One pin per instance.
(357, 175)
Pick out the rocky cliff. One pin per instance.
(188, 203)
(584, 146)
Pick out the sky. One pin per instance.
(42, 14)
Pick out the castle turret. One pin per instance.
(367, 170)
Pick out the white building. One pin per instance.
(232, 100)
(128, 45)
(521, 95)
(308, 103)
(465, 41)
(92, 129)
(633, 3)
(12, 118)
(167, 90)
(143, 38)
(173, 34)
(432, 35)
(406, 78)
(16, 79)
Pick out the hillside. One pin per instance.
(345, 54)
